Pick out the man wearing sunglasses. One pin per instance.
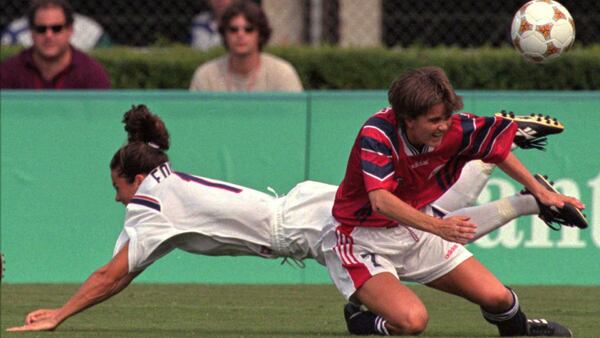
(52, 63)
(245, 31)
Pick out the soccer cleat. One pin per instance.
(568, 215)
(544, 328)
(533, 129)
(351, 310)
(359, 322)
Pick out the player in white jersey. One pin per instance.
(167, 209)
(172, 210)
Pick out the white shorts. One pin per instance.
(301, 216)
(355, 254)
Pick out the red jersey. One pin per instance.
(383, 158)
(20, 72)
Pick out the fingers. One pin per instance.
(466, 233)
(32, 317)
(562, 199)
(31, 327)
(559, 200)
(36, 315)
(457, 229)
(575, 202)
(45, 324)
(17, 328)
(463, 231)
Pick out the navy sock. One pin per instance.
(511, 322)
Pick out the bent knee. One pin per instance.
(498, 300)
(412, 323)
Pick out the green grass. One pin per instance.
(147, 310)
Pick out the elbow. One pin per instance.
(376, 206)
(377, 201)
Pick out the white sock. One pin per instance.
(465, 191)
(490, 216)
(380, 326)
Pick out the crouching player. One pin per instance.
(386, 230)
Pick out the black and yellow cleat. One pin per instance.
(533, 129)
(568, 215)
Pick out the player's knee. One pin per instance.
(498, 300)
(412, 323)
(416, 324)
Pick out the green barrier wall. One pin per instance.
(59, 220)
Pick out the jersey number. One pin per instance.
(373, 260)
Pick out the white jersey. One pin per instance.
(204, 32)
(204, 216)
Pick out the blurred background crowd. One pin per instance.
(280, 45)
(314, 22)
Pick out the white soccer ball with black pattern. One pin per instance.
(542, 30)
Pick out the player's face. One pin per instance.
(124, 189)
(429, 128)
(242, 36)
(50, 33)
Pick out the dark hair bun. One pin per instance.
(143, 126)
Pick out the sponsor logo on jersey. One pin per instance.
(419, 164)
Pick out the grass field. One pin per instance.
(148, 310)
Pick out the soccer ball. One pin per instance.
(542, 30)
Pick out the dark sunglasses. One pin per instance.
(41, 29)
(235, 29)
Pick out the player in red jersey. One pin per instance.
(404, 158)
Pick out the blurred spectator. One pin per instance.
(52, 63)
(245, 31)
(87, 33)
(205, 26)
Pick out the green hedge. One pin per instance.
(365, 68)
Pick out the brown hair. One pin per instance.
(253, 14)
(148, 141)
(415, 92)
(62, 4)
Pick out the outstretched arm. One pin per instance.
(101, 285)
(515, 169)
(455, 229)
